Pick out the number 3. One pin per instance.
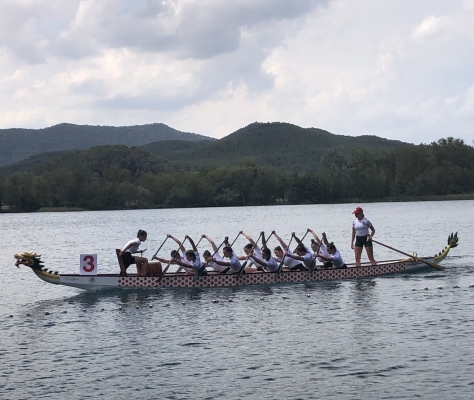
(90, 262)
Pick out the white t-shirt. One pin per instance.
(235, 265)
(257, 252)
(308, 259)
(337, 259)
(323, 250)
(186, 261)
(134, 248)
(272, 265)
(289, 262)
(197, 264)
(361, 226)
(215, 266)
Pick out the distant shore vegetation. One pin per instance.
(119, 177)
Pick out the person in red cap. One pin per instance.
(360, 232)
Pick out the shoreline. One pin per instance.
(449, 197)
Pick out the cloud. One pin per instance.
(395, 69)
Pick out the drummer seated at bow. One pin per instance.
(128, 258)
(175, 255)
(233, 263)
(319, 248)
(208, 257)
(267, 264)
(193, 259)
(302, 254)
(279, 251)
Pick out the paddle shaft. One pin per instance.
(283, 258)
(161, 246)
(435, 266)
(166, 268)
(251, 252)
(207, 262)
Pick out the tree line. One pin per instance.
(118, 177)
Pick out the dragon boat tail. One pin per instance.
(182, 280)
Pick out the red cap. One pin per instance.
(357, 210)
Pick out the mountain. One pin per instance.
(19, 144)
(277, 144)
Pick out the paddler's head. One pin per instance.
(278, 251)
(248, 249)
(266, 254)
(314, 245)
(207, 255)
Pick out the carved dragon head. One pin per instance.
(31, 260)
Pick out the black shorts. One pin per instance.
(327, 265)
(127, 258)
(299, 267)
(362, 241)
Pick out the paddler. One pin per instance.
(334, 256)
(319, 248)
(233, 262)
(303, 254)
(251, 249)
(175, 255)
(292, 264)
(193, 259)
(208, 257)
(268, 261)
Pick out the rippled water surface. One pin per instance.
(353, 339)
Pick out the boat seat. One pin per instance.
(123, 266)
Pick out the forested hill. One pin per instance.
(276, 144)
(19, 144)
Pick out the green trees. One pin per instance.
(118, 177)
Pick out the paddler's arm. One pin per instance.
(214, 247)
(297, 239)
(223, 263)
(161, 260)
(264, 241)
(181, 247)
(315, 236)
(325, 239)
(353, 237)
(295, 257)
(258, 261)
(252, 242)
(180, 263)
(192, 243)
(283, 244)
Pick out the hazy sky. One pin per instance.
(399, 69)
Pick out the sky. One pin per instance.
(398, 69)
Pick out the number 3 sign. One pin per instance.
(88, 264)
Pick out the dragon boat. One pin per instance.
(214, 279)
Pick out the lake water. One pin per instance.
(354, 339)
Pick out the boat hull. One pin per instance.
(182, 280)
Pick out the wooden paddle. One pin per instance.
(435, 266)
(239, 274)
(160, 247)
(198, 273)
(283, 258)
(166, 268)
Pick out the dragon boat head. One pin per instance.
(31, 260)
